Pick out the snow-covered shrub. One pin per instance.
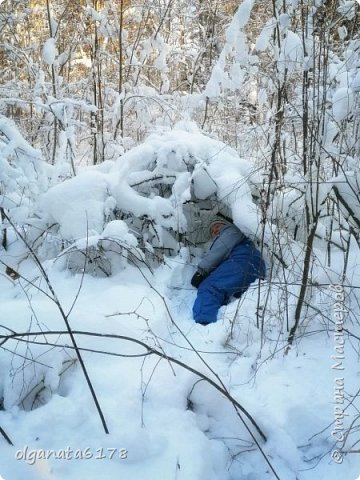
(102, 255)
(165, 191)
(23, 177)
(23, 174)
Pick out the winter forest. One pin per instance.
(124, 128)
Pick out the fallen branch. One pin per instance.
(53, 297)
(4, 434)
(149, 351)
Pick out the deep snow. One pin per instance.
(171, 425)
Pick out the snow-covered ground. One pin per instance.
(163, 422)
(163, 387)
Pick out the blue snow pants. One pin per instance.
(232, 277)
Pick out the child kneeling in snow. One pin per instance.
(229, 267)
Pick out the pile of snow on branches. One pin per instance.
(152, 199)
